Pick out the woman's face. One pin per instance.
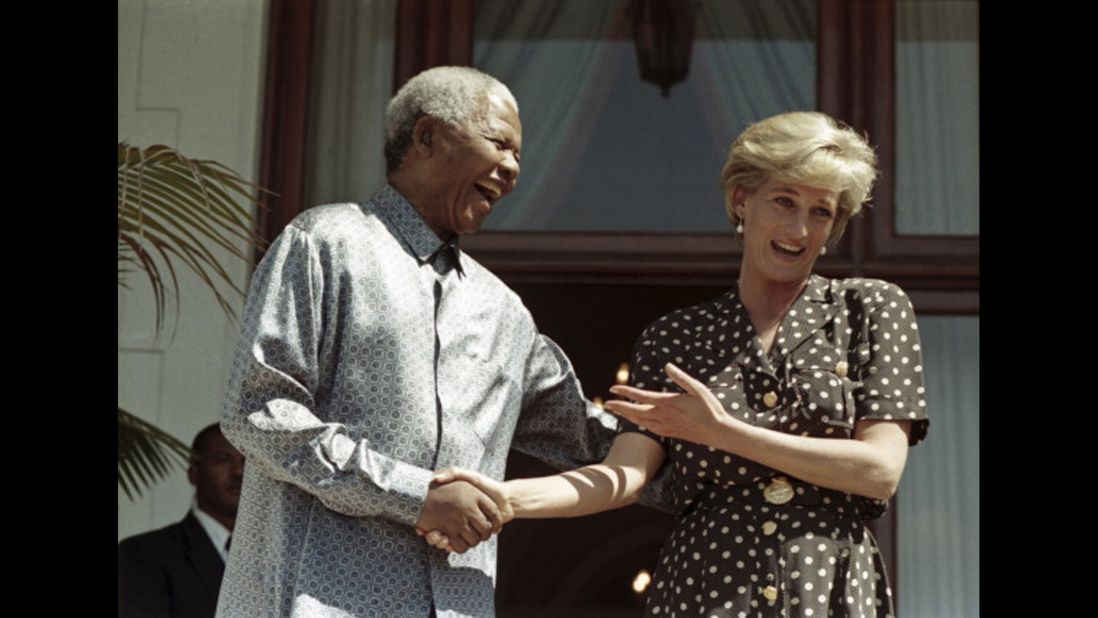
(784, 227)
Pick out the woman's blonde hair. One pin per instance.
(806, 148)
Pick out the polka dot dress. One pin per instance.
(752, 541)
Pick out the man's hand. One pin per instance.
(461, 513)
(491, 488)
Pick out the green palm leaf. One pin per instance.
(176, 210)
(173, 210)
(146, 453)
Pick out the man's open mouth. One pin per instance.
(490, 192)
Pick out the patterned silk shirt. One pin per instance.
(371, 354)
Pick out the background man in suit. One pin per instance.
(176, 571)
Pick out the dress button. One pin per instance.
(770, 399)
(769, 528)
(778, 491)
(841, 369)
(771, 593)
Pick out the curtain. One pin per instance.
(937, 117)
(604, 151)
(756, 60)
(553, 55)
(352, 83)
(938, 503)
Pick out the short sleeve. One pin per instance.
(890, 364)
(647, 372)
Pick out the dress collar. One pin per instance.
(818, 290)
(812, 308)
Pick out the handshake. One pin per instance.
(462, 509)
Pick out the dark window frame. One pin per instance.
(855, 83)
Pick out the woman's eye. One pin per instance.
(784, 201)
(823, 212)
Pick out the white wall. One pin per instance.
(189, 76)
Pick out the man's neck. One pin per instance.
(225, 520)
(411, 189)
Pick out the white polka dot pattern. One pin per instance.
(371, 354)
(846, 350)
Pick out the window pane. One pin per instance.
(351, 84)
(937, 118)
(606, 151)
(938, 504)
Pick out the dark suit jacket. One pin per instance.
(171, 572)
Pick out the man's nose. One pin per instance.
(509, 167)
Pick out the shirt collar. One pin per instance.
(218, 533)
(408, 225)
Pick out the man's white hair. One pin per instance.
(453, 95)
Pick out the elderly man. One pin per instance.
(374, 352)
(176, 571)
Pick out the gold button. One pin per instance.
(770, 399)
(841, 368)
(779, 491)
(771, 593)
(769, 528)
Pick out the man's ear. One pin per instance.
(424, 135)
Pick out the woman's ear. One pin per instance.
(738, 196)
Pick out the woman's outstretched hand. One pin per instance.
(693, 415)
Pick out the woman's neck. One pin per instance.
(767, 301)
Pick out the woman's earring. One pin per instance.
(823, 250)
(739, 226)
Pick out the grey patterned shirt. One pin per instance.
(371, 354)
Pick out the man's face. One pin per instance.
(473, 167)
(216, 475)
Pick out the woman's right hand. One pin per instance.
(492, 488)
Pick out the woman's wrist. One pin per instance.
(512, 495)
(731, 434)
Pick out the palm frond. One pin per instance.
(173, 209)
(146, 454)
